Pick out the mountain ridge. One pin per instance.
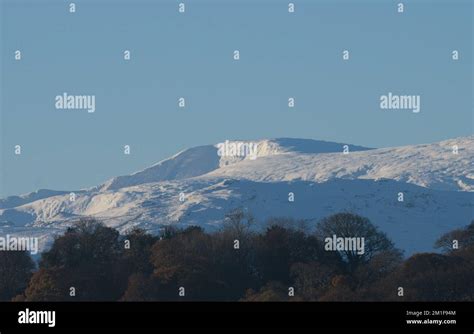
(437, 185)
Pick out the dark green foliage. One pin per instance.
(429, 277)
(464, 238)
(16, 268)
(237, 263)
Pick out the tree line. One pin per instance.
(284, 262)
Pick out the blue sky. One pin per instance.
(190, 55)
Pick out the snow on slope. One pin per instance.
(203, 159)
(414, 224)
(13, 201)
(437, 185)
(428, 165)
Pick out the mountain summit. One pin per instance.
(200, 185)
(200, 160)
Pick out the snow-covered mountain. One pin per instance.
(199, 186)
(204, 159)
